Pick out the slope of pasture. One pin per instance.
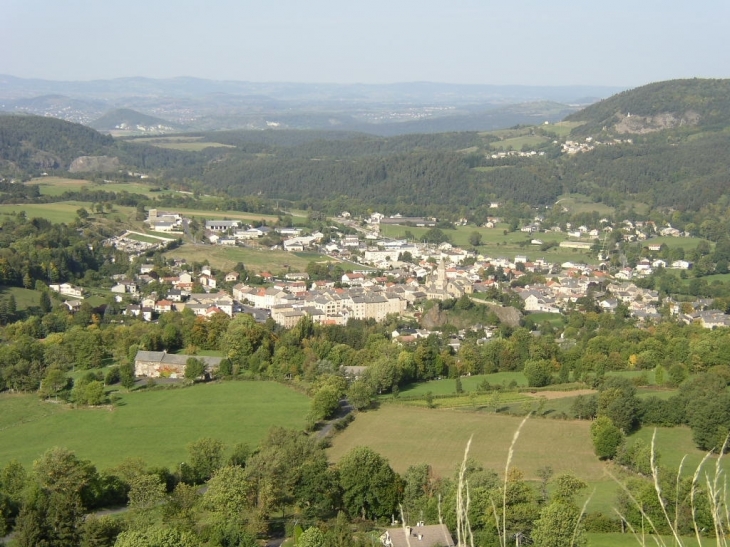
(155, 426)
(409, 436)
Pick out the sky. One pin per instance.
(522, 42)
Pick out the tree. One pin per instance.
(126, 374)
(709, 419)
(100, 531)
(44, 302)
(206, 457)
(194, 368)
(311, 537)
(360, 394)
(369, 485)
(607, 438)
(54, 382)
(475, 239)
(325, 403)
(146, 492)
(559, 525)
(157, 537)
(538, 372)
(560, 521)
(229, 492)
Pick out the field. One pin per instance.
(496, 243)
(155, 426)
(438, 437)
(189, 144)
(578, 203)
(24, 298)
(55, 212)
(55, 186)
(516, 143)
(224, 258)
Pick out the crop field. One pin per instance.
(155, 426)
(259, 260)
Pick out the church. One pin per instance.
(439, 287)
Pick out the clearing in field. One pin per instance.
(155, 426)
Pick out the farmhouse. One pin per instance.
(156, 364)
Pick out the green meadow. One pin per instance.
(225, 258)
(153, 425)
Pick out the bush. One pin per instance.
(601, 524)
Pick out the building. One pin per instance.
(156, 364)
(431, 535)
(221, 225)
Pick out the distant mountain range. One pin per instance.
(384, 109)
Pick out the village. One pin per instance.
(384, 276)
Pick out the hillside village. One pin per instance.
(389, 276)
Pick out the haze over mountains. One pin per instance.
(388, 109)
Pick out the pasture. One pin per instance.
(24, 298)
(259, 260)
(518, 143)
(408, 436)
(186, 143)
(56, 186)
(55, 212)
(153, 425)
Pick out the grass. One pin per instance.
(496, 243)
(628, 540)
(517, 143)
(469, 383)
(155, 426)
(408, 436)
(55, 212)
(555, 319)
(56, 186)
(24, 298)
(224, 258)
(673, 444)
(190, 144)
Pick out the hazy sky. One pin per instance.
(532, 42)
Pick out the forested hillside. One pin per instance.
(29, 143)
(662, 144)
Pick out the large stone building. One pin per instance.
(156, 364)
